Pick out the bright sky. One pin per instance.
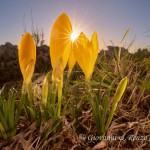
(110, 18)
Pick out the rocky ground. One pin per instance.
(9, 65)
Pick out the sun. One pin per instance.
(73, 36)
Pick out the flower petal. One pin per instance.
(95, 45)
(60, 42)
(71, 62)
(83, 54)
(57, 74)
(29, 72)
(26, 53)
(94, 41)
(83, 39)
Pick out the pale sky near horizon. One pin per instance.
(110, 18)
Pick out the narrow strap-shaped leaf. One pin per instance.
(105, 103)
(5, 111)
(45, 89)
(2, 132)
(11, 102)
(32, 112)
(3, 121)
(20, 106)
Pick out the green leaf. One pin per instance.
(2, 131)
(11, 105)
(45, 88)
(104, 110)
(32, 112)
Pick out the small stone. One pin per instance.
(100, 145)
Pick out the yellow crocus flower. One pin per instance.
(60, 41)
(27, 56)
(60, 46)
(86, 53)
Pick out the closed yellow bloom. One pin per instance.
(117, 97)
(60, 41)
(27, 57)
(119, 92)
(86, 53)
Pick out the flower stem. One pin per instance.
(60, 86)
